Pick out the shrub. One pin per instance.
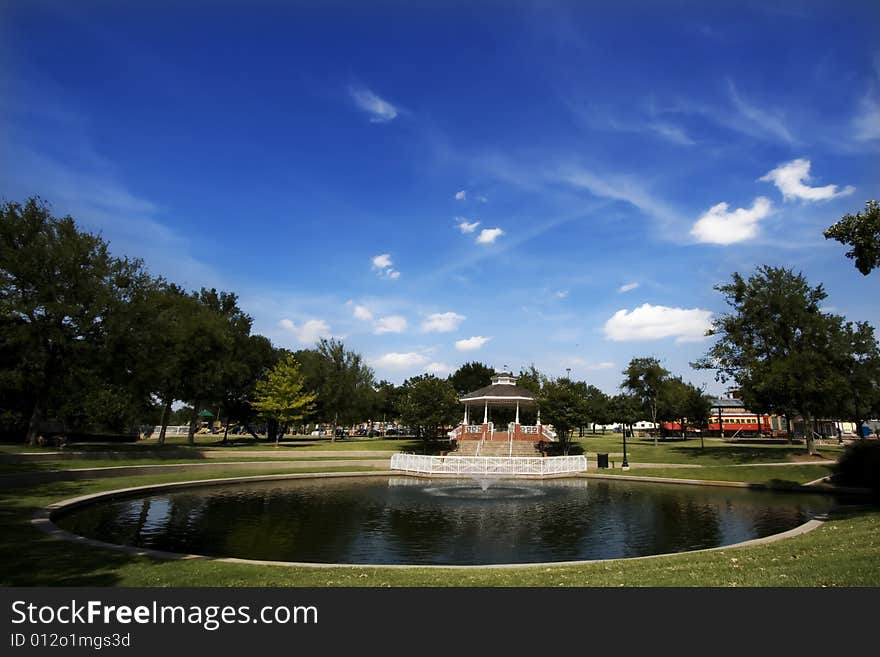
(860, 466)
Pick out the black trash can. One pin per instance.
(602, 461)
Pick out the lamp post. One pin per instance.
(625, 464)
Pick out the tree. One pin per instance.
(626, 409)
(531, 379)
(564, 405)
(857, 364)
(58, 287)
(697, 410)
(597, 407)
(428, 403)
(644, 378)
(672, 401)
(777, 344)
(342, 380)
(862, 233)
(470, 377)
(281, 396)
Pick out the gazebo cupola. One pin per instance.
(503, 392)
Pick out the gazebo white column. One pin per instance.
(516, 423)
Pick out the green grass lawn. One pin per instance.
(715, 452)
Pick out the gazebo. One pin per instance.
(502, 393)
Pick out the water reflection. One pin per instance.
(421, 521)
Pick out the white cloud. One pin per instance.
(790, 177)
(466, 227)
(628, 287)
(442, 322)
(489, 235)
(719, 226)
(390, 324)
(308, 332)
(382, 261)
(380, 110)
(383, 265)
(461, 195)
(362, 312)
(605, 365)
(396, 360)
(470, 344)
(438, 368)
(560, 294)
(649, 322)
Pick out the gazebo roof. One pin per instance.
(503, 390)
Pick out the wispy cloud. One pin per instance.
(790, 177)
(442, 322)
(599, 119)
(720, 226)
(620, 188)
(467, 227)
(627, 287)
(308, 332)
(471, 344)
(380, 110)
(866, 124)
(649, 322)
(489, 235)
(756, 119)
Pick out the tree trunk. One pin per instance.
(654, 422)
(226, 430)
(166, 411)
(809, 438)
(193, 421)
(35, 421)
(333, 433)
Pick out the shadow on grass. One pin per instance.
(754, 454)
(28, 557)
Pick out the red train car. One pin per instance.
(742, 424)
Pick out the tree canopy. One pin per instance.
(784, 352)
(861, 232)
(470, 377)
(281, 395)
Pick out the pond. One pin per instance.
(408, 520)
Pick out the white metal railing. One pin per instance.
(172, 430)
(488, 465)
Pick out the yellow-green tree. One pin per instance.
(281, 396)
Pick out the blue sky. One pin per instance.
(521, 182)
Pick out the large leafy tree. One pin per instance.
(282, 395)
(598, 408)
(343, 382)
(428, 403)
(59, 286)
(644, 377)
(861, 232)
(564, 405)
(777, 344)
(857, 369)
(470, 377)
